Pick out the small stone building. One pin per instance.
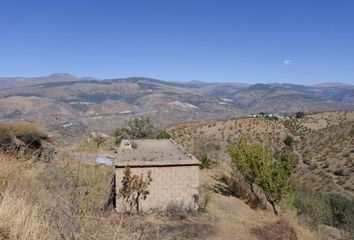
(174, 173)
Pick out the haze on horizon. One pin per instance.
(298, 42)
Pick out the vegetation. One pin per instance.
(140, 128)
(204, 197)
(206, 160)
(269, 172)
(163, 134)
(289, 141)
(137, 128)
(134, 188)
(324, 208)
(299, 114)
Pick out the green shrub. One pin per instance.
(206, 160)
(313, 208)
(300, 115)
(163, 134)
(330, 209)
(342, 210)
(289, 141)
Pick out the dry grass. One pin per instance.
(22, 220)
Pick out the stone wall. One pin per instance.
(170, 185)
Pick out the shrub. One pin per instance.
(269, 172)
(279, 230)
(338, 172)
(206, 160)
(163, 134)
(300, 115)
(204, 197)
(330, 209)
(342, 210)
(289, 141)
(134, 189)
(312, 207)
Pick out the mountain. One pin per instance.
(63, 99)
(10, 82)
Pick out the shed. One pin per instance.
(174, 173)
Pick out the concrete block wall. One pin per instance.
(170, 185)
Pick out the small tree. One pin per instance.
(300, 115)
(134, 188)
(140, 127)
(258, 166)
(137, 128)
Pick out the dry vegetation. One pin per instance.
(323, 144)
(66, 197)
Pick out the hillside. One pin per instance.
(65, 100)
(324, 144)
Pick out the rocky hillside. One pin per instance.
(323, 146)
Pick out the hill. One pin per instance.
(324, 145)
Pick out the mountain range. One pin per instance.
(62, 99)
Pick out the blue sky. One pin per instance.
(297, 41)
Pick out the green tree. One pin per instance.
(259, 166)
(137, 128)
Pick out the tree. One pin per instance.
(259, 166)
(141, 127)
(300, 115)
(134, 188)
(137, 128)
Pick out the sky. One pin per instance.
(251, 41)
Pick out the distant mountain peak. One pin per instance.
(62, 76)
(332, 84)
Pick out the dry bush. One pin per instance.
(279, 230)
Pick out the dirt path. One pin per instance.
(232, 218)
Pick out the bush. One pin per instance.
(313, 208)
(338, 172)
(279, 230)
(342, 210)
(21, 136)
(300, 115)
(163, 134)
(330, 209)
(206, 160)
(289, 141)
(204, 197)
